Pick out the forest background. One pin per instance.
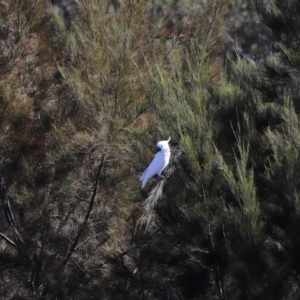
(86, 92)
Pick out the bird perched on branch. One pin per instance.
(159, 162)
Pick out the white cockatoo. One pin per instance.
(159, 162)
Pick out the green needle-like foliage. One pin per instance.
(81, 109)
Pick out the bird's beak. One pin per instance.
(158, 149)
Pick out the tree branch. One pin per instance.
(8, 240)
(83, 225)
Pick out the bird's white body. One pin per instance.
(159, 162)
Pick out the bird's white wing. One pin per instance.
(154, 168)
(144, 174)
